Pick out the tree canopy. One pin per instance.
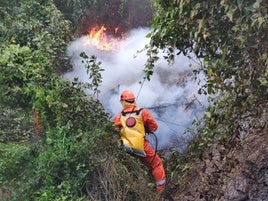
(231, 39)
(56, 142)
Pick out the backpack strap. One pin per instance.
(137, 112)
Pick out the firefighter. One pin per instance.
(151, 159)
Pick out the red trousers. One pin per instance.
(155, 164)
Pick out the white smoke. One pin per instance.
(171, 94)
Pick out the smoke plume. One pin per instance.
(170, 96)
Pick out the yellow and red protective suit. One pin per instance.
(152, 159)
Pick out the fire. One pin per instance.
(98, 38)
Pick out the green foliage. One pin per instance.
(152, 58)
(56, 169)
(13, 158)
(38, 25)
(15, 125)
(77, 141)
(94, 70)
(75, 151)
(264, 78)
(74, 10)
(231, 38)
(64, 165)
(21, 70)
(71, 149)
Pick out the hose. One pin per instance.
(156, 144)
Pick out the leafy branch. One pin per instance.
(94, 70)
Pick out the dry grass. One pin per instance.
(118, 182)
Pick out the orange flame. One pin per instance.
(98, 38)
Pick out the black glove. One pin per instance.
(147, 130)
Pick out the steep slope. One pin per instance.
(234, 171)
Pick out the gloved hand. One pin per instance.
(147, 130)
